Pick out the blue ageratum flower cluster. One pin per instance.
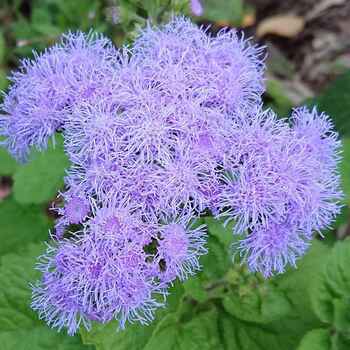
(158, 134)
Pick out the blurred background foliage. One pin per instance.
(224, 307)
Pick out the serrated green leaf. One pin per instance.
(331, 293)
(20, 327)
(260, 304)
(239, 335)
(106, 337)
(20, 225)
(194, 288)
(39, 180)
(218, 260)
(316, 339)
(297, 283)
(200, 333)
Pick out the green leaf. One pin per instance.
(194, 288)
(40, 179)
(107, 337)
(135, 336)
(39, 338)
(316, 339)
(3, 79)
(331, 293)
(259, 303)
(2, 48)
(20, 225)
(335, 101)
(223, 11)
(217, 229)
(239, 335)
(20, 327)
(280, 102)
(345, 169)
(7, 164)
(200, 333)
(217, 261)
(298, 284)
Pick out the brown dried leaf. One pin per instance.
(288, 26)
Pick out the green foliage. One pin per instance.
(277, 99)
(21, 225)
(257, 302)
(330, 301)
(7, 164)
(335, 101)
(39, 180)
(317, 339)
(20, 328)
(345, 169)
(223, 11)
(331, 293)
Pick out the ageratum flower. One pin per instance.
(278, 181)
(196, 7)
(157, 134)
(100, 274)
(179, 246)
(255, 189)
(269, 249)
(223, 73)
(45, 88)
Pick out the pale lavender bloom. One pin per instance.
(317, 138)
(196, 7)
(179, 247)
(276, 174)
(224, 73)
(101, 274)
(45, 88)
(157, 134)
(270, 249)
(255, 189)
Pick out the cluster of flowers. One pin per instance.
(157, 135)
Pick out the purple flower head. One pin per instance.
(196, 7)
(269, 249)
(317, 131)
(179, 247)
(103, 273)
(76, 209)
(317, 139)
(45, 88)
(157, 134)
(224, 72)
(254, 189)
(182, 181)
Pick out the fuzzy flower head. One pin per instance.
(101, 274)
(45, 88)
(253, 190)
(223, 72)
(179, 247)
(271, 248)
(196, 7)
